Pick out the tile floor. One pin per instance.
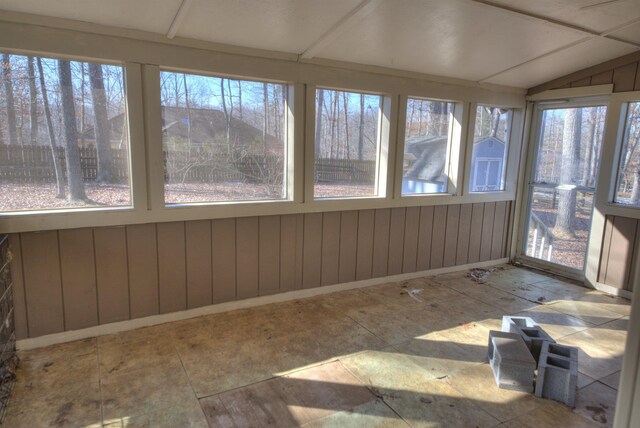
(377, 356)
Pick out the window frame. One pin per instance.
(289, 143)
(384, 161)
(454, 158)
(622, 102)
(512, 157)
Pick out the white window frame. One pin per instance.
(454, 156)
(620, 102)
(512, 154)
(289, 144)
(143, 57)
(384, 159)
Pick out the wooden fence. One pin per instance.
(34, 164)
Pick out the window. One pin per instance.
(426, 146)
(223, 139)
(490, 148)
(628, 181)
(347, 144)
(64, 140)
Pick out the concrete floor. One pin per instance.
(376, 356)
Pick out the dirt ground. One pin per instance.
(25, 197)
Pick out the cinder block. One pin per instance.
(512, 364)
(534, 336)
(558, 373)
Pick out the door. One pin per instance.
(562, 182)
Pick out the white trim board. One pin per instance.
(116, 327)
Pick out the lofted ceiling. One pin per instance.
(519, 43)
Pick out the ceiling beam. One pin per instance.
(359, 12)
(177, 20)
(563, 24)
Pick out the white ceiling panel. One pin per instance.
(561, 63)
(454, 38)
(146, 15)
(279, 25)
(598, 15)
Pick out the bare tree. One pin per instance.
(346, 124)
(102, 131)
(33, 99)
(72, 153)
(57, 165)
(361, 129)
(565, 221)
(8, 90)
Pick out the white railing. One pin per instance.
(542, 241)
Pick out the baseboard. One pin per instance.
(619, 292)
(116, 327)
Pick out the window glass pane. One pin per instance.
(426, 143)
(64, 139)
(490, 147)
(628, 192)
(224, 139)
(346, 144)
(569, 146)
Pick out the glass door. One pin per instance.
(562, 185)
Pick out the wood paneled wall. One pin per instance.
(78, 278)
(620, 249)
(623, 72)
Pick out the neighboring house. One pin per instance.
(208, 127)
(425, 165)
(487, 164)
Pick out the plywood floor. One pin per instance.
(379, 356)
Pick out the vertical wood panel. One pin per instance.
(299, 250)
(77, 263)
(633, 279)
(223, 255)
(582, 82)
(487, 231)
(247, 235)
(348, 246)
(41, 262)
(424, 238)
(330, 248)
(411, 232)
(624, 77)
(603, 78)
(623, 234)
(606, 247)
(364, 261)
(269, 255)
(451, 236)
(497, 240)
(142, 250)
(381, 242)
(464, 232)
(475, 238)
(396, 240)
(112, 274)
(508, 230)
(438, 236)
(17, 281)
(312, 251)
(636, 87)
(172, 267)
(288, 252)
(198, 251)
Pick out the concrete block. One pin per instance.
(558, 373)
(534, 336)
(512, 364)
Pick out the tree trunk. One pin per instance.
(565, 221)
(8, 90)
(635, 192)
(410, 125)
(265, 122)
(495, 121)
(33, 107)
(72, 153)
(319, 116)
(57, 165)
(361, 129)
(587, 172)
(227, 121)
(101, 128)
